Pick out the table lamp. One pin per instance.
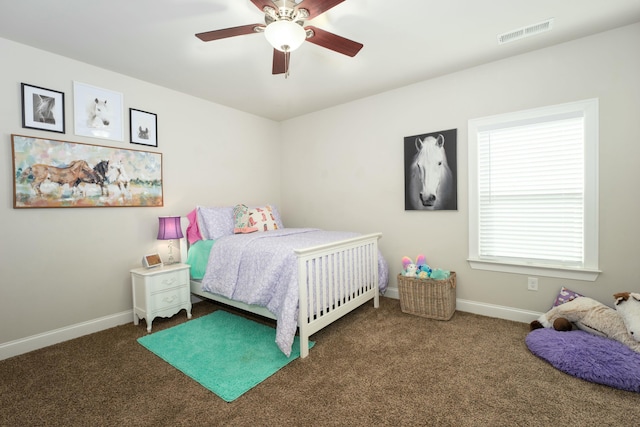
(169, 229)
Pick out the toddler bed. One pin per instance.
(304, 278)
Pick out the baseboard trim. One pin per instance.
(45, 339)
(498, 311)
(35, 342)
(484, 309)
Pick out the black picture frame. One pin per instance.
(445, 192)
(42, 109)
(143, 127)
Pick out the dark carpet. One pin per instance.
(372, 367)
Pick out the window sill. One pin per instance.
(536, 270)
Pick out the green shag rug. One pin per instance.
(227, 354)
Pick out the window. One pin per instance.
(533, 191)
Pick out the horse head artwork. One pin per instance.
(98, 114)
(143, 133)
(43, 109)
(431, 182)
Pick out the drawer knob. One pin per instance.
(170, 299)
(169, 282)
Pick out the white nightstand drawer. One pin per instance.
(166, 281)
(160, 292)
(162, 300)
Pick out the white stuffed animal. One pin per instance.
(410, 268)
(621, 324)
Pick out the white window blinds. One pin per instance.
(533, 191)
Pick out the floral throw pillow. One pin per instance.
(241, 220)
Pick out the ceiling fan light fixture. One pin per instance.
(285, 36)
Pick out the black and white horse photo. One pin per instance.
(430, 171)
(43, 109)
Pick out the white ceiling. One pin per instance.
(404, 42)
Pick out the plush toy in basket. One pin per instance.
(426, 292)
(421, 269)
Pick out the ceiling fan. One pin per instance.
(284, 29)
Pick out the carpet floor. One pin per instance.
(373, 367)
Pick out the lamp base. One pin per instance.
(171, 259)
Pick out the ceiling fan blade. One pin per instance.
(260, 4)
(316, 7)
(334, 42)
(227, 32)
(280, 61)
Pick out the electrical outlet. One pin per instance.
(532, 283)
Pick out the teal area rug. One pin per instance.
(227, 354)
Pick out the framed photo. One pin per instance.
(98, 113)
(152, 260)
(42, 108)
(144, 127)
(430, 171)
(49, 173)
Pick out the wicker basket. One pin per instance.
(435, 299)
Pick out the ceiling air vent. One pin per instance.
(523, 32)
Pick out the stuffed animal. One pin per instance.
(422, 274)
(424, 271)
(409, 268)
(621, 324)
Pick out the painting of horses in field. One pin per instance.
(59, 174)
(430, 171)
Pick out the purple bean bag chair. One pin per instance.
(587, 356)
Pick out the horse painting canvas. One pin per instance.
(430, 171)
(60, 174)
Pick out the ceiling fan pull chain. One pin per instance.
(286, 61)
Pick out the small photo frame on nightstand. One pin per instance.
(151, 261)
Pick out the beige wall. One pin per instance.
(62, 267)
(343, 167)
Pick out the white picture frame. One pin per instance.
(152, 260)
(98, 113)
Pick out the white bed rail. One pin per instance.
(333, 280)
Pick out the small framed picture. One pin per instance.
(98, 112)
(144, 127)
(42, 108)
(151, 261)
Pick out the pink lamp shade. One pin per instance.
(169, 228)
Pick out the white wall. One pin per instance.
(64, 267)
(343, 167)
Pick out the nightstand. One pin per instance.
(160, 292)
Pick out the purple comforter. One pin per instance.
(261, 269)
